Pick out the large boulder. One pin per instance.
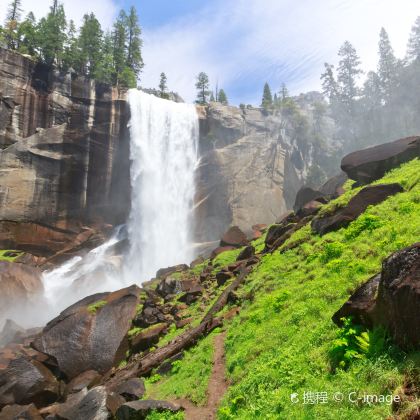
(20, 286)
(86, 405)
(372, 163)
(333, 187)
(27, 381)
(91, 334)
(20, 412)
(370, 195)
(391, 299)
(131, 389)
(398, 300)
(306, 195)
(234, 237)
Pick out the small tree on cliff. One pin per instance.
(267, 98)
(52, 35)
(28, 36)
(163, 86)
(90, 43)
(134, 42)
(202, 86)
(222, 97)
(12, 24)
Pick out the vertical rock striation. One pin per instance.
(63, 162)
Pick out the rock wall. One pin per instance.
(247, 173)
(65, 148)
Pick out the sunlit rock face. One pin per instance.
(250, 169)
(65, 149)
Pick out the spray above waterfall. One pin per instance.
(163, 156)
(163, 151)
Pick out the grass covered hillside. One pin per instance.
(283, 341)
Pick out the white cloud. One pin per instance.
(243, 43)
(105, 10)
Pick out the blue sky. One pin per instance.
(243, 43)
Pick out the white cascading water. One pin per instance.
(163, 136)
(163, 151)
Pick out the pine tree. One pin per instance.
(284, 93)
(134, 42)
(202, 86)
(212, 97)
(163, 86)
(222, 97)
(12, 24)
(387, 66)
(372, 91)
(28, 36)
(413, 48)
(90, 43)
(329, 84)
(71, 55)
(119, 36)
(348, 73)
(267, 99)
(52, 35)
(105, 68)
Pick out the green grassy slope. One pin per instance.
(281, 342)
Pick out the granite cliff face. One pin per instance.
(64, 161)
(63, 164)
(251, 168)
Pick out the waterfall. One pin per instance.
(163, 151)
(163, 155)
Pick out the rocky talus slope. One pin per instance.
(303, 309)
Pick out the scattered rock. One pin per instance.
(166, 366)
(246, 253)
(27, 381)
(87, 406)
(150, 315)
(305, 195)
(199, 260)
(220, 250)
(192, 295)
(164, 272)
(311, 208)
(172, 286)
(20, 412)
(361, 304)
(140, 409)
(131, 389)
(183, 322)
(370, 164)
(84, 380)
(147, 338)
(223, 276)
(91, 334)
(390, 299)
(334, 186)
(275, 232)
(370, 195)
(113, 402)
(234, 237)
